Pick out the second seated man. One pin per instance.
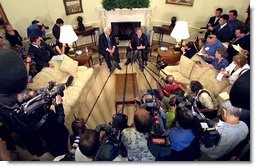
(107, 48)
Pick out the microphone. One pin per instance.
(69, 81)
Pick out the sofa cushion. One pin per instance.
(209, 81)
(197, 72)
(82, 77)
(55, 72)
(40, 80)
(71, 95)
(69, 65)
(186, 66)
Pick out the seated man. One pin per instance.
(209, 48)
(242, 34)
(135, 138)
(189, 49)
(167, 89)
(88, 146)
(214, 21)
(139, 43)
(232, 132)
(39, 52)
(222, 31)
(233, 22)
(206, 101)
(107, 48)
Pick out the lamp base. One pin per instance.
(177, 47)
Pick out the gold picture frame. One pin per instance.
(73, 6)
(3, 15)
(181, 2)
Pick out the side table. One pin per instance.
(169, 56)
(84, 58)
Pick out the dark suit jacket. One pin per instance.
(103, 44)
(56, 32)
(244, 44)
(137, 42)
(41, 55)
(222, 34)
(211, 21)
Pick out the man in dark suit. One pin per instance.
(107, 48)
(222, 30)
(56, 29)
(213, 21)
(242, 38)
(233, 22)
(39, 52)
(139, 43)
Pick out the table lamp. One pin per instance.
(67, 35)
(180, 32)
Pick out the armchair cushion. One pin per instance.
(209, 81)
(186, 66)
(68, 65)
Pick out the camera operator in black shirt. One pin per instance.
(42, 131)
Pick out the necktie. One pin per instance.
(109, 42)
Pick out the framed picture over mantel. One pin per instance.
(73, 6)
(181, 2)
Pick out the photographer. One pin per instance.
(206, 101)
(41, 125)
(232, 133)
(184, 146)
(37, 29)
(88, 146)
(135, 138)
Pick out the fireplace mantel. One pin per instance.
(142, 15)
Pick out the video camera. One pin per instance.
(205, 127)
(157, 134)
(33, 113)
(109, 148)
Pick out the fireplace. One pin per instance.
(124, 30)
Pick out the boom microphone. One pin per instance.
(69, 81)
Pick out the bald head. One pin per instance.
(143, 121)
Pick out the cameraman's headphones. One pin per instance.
(121, 120)
(143, 100)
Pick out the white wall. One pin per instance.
(21, 12)
(198, 14)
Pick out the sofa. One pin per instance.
(74, 95)
(187, 70)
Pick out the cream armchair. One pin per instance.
(75, 94)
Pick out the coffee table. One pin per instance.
(169, 56)
(129, 96)
(84, 58)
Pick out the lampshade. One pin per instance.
(67, 34)
(180, 31)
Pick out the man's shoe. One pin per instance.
(126, 63)
(118, 67)
(145, 63)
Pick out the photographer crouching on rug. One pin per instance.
(28, 113)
